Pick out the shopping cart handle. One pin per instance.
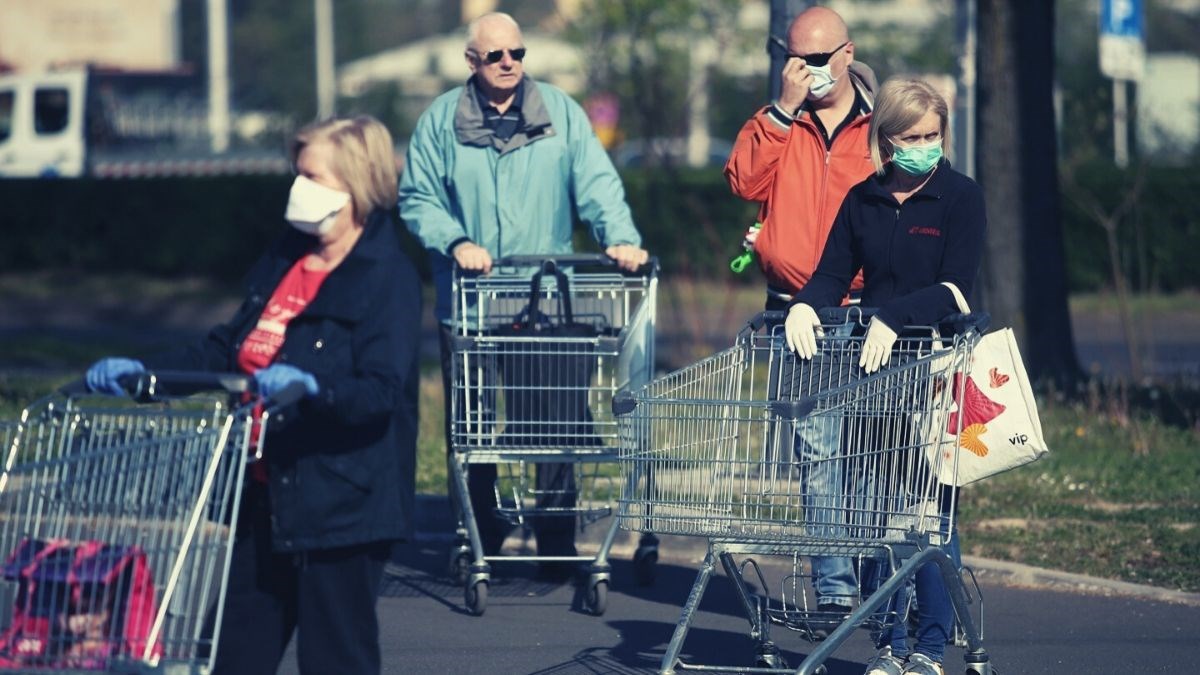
(763, 318)
(560, 259)
(794, 410)
(156, 384)
(289, 395)
(957, 324)
(623, 403)
(148, 386)
(571, 260)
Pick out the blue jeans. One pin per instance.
(818, 448)
(935, 613)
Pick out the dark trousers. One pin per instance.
(326, 596)
(555, 534)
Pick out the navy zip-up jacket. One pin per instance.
(342, 464)
(906, 251)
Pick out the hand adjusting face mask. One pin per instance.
(823, 81)
(312, 208)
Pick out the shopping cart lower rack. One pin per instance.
(539, 347)
(117, 523)
(763, 453)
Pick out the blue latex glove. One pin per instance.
(103, 375)
(276, 377)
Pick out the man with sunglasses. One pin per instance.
(799, 157)
(499, 167)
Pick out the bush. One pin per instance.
(216, 227)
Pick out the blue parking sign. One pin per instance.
(1121, 17)
(1122, 45)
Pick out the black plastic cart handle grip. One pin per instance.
(160, 384)
(571, 260)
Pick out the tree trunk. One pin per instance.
(997, 159)
(1024, 272)
(1050, 346)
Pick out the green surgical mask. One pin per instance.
(917, 160)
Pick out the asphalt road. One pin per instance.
(1034, 622)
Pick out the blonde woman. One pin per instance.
(916, 231)
(330, 305)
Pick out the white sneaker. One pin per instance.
(919, 664)
(884, 663)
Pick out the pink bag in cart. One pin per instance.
(77, 605)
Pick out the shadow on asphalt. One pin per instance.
(421, 571)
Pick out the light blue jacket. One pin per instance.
(515, 197)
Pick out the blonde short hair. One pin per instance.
(364, 159)
(901, 103)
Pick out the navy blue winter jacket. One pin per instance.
(341, 465)
(905, 250)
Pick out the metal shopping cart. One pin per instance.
(117, 521)
(540, 346)
(729, 449)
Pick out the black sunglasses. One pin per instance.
(495, 55)
(817, 59)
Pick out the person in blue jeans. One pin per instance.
(817, 448)
(915, 229)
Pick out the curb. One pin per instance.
(1018, 574)
(436, 525)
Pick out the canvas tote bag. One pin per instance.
(993, 422)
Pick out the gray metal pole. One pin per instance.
(964, 98)
(782, 13)
(1120, 124)
(326, 93)
(218, 75)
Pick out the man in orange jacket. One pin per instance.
(799, 157)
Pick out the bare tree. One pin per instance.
(1108, 221)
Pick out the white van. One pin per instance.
(113, 124)
(42, 124)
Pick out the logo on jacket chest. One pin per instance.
(919, 231)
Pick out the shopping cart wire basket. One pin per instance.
(540, 345)
(117, 520)
(764, 453)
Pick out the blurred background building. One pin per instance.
(669, 82)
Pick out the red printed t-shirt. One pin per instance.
(297, 288)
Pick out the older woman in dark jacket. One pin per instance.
(915, 229)
(330, 305)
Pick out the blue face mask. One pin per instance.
(917, 160)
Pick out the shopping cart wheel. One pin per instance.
(476, 597)
(597, 597)
(645, 562)
(767, 655)
(978, 664)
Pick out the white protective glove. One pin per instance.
(751, 236)
(801, 329)
(877, 346)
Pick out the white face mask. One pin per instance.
(312, 208)
(823, 81)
